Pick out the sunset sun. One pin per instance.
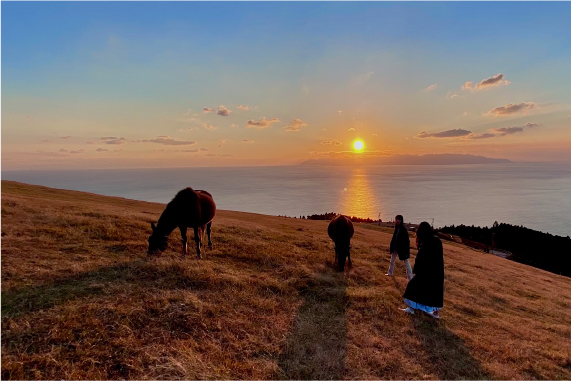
(358, 145)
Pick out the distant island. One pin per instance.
(432, 159)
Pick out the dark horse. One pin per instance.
(188, 209)
(341, 230)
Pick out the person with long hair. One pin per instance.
(425, 291)
(400, 247)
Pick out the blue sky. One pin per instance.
(298, 80)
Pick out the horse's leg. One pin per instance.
(336, 262)
(197, 239)
(184, 240)
(349, 257)
(208, 232)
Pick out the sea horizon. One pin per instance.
(530, 194)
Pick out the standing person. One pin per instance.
(400, 246)
(425, 291)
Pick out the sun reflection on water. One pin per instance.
(358, 197)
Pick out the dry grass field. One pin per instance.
(82, 300)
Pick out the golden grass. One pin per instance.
(81, 300)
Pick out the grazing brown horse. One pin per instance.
(188, 209)
(341, 230)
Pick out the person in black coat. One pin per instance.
(400, 247)
(425, 291)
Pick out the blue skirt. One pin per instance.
(422, 307)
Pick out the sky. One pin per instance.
(185, 84)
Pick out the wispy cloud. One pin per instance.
(70, 151)
(113, 140)
(206, 110)
(166, 140)
(496, 80)
(507, 130)
(430, 88)
(101, 150)
(330, 142)
(209, 127)
(241, 107)
(223, 111)
(351, 129)
(444, 134)
(511, 109)
(248, 141)
(261, 123)
(482, 136)
(296, 125)
(362, 78)
(503, 131)
(65, 137)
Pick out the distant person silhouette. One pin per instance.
(400, 246)
(425, 291)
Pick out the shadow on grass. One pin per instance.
(449, 357)
(317, 345)
(104, 280)
(20, 301)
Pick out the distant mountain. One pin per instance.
(432, 159)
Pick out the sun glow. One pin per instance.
(358, 145)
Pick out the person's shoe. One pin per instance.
(435, 314)
(408, 310)
(387, 274)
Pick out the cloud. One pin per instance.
(444, 134)
(204, 150)
(188, 150)
(247, 141)
(351, 129)
(206, 110)
(209, 127)
(102, 150)
(503, 131)
(482, 136)
(330, 142)
(339, 112)
(71, 151)
(166, 140)
(223, 111)
(46, 141)
(234, 125)
(362, 78)
(65, 137)
(511, 109)
(496, 80)
(296, 125)
(430, 88)
(241, 107)
(507, 130)
(113, 140)
(261, 123)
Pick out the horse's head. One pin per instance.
(157, 242)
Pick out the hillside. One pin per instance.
(81, 300)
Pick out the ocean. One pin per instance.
(535, 195)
